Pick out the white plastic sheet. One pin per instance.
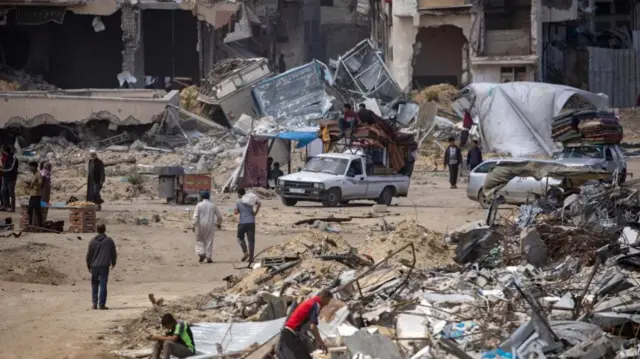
(516, 117)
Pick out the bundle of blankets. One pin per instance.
(586, 126)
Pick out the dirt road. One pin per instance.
(45, 290)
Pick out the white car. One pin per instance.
(337, 178)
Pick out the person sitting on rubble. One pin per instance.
(302, 318)
(365, 115)
(178, 341)
(349, 120)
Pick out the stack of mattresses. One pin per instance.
(587, 126)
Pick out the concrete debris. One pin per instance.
(550, 290)
(18, 80)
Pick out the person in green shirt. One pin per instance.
(178, 340)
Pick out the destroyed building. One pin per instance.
(463, 41)
(593, 45)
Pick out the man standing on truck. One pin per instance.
(474, 156)
(452, 159)
(349, 120)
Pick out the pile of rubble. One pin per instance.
(18, 80)
(548, 290)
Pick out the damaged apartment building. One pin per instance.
(593, 45)
(462, 41)
(124, 61)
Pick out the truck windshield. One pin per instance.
(336, 166)
(582, 152)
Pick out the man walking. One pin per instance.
(178, 341)
(34, 187)
(246, 224)
(100, 255)
(95, 179)
(303, 318)
(206, 218)
(9, 178)
(46, 188)
(453, 158)
(474, 156)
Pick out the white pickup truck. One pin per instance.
(337, 178)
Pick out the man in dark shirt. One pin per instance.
(9, 178)
(365, 115)
(349, 120)
(100, 255)
(474, 156)
(276, 172)
(453, 159)
(177, 341)
(303, 318)
(95, 179)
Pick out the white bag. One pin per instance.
(250, 198)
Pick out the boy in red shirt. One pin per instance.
(303, 317)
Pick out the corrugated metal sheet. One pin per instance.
(295, 97)
(233, 337)
(615, 73)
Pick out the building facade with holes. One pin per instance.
(463, 41)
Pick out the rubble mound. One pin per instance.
(564, 241)
(28, 264)
(304, 245)
(431, 249)
(443, 94)
(137, 330)
(34, 274)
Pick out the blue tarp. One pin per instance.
(303, 138)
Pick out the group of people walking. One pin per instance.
(453, 159)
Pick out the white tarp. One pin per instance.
(516, 117)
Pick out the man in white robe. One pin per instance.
(206, 218)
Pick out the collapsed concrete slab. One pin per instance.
(123, 107)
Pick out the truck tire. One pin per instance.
(332, 197)
(386, 196)
(289, 202)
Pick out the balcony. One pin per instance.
(443, 4)
(516, 42)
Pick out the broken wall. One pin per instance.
(403, 34)
(447, 42)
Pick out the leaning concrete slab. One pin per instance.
(123, 107)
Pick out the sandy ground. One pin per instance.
(44, 284)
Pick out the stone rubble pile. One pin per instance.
(550, 290)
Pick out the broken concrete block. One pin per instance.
(533, 248)
(629, 237)
(118, 148)
(379, 208)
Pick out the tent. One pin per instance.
(516, 117)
